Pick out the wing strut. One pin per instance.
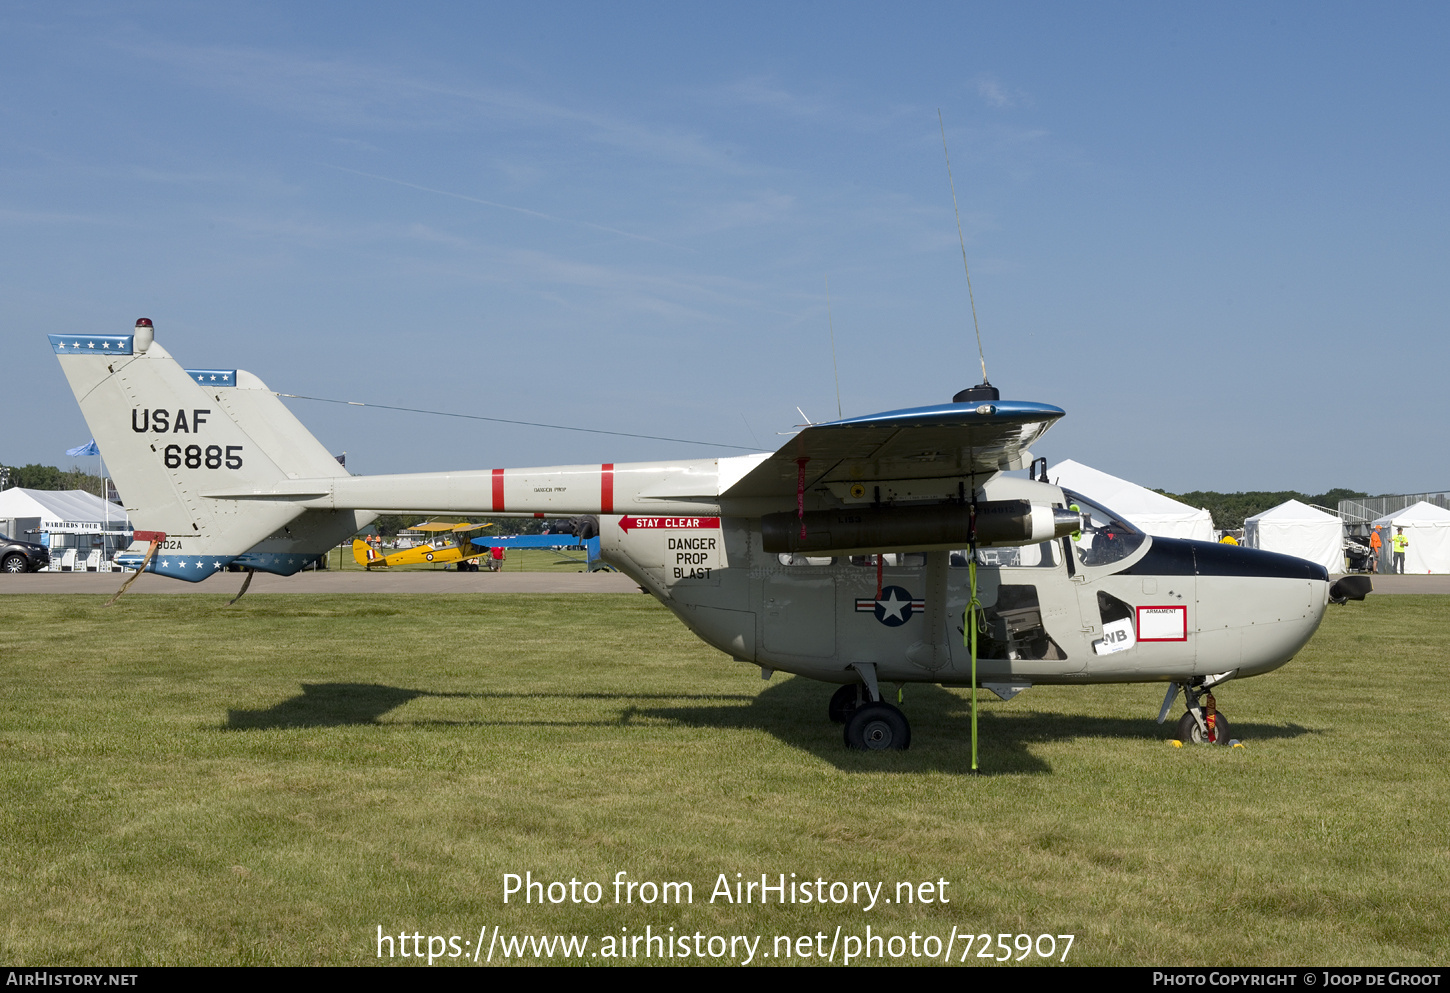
(970, 637)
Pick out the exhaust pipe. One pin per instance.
(1348, 588)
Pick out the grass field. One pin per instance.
(271, 783)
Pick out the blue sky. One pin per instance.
(1215, 235)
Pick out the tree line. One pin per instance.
(48, 477)
(1230, 509)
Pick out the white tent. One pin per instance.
(1295, 528)
(81, 529)
(62, 511)
(1428, 528)
(1153, 512)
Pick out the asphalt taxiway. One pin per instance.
(327, 581)
(429, 581)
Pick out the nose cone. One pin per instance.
(1180, 557)
(1213, 559)
(1273, 602)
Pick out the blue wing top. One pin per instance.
(950, 439)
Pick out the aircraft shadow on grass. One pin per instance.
(793, 710)
(325, 705)
(339, 704)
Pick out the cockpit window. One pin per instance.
(1106, 537)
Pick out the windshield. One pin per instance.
(1106, 537)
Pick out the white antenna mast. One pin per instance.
(834, 368)
(963, 242)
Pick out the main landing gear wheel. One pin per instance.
(844, 702)
(877, 727)
(1191, 734)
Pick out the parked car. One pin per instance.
(22, 556)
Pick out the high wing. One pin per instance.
(446, 526)
(947, 440)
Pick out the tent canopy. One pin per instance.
(1295, 528)
(1294, 512)
(63, 510)
(1428, 529)
(1153, 512)
(1421, 513)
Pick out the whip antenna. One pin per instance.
(963, 242)
(834, 368)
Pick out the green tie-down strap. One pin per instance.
(969, 640)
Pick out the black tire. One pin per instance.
(844, 702)
(15, 562)
(1190, 734)
(877, 727)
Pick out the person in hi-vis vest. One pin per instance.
(1399, 542)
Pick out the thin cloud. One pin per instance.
(757, 91)
(345, 93)
(770, 207)
(764, 93)
(996, 94)
(505, 206)
(47, 217)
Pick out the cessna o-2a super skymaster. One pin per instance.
(849, 556)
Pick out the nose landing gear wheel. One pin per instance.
(1191, 734)
(877, 727)
(844, 703)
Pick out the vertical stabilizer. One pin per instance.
(165, 440)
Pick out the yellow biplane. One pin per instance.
(449, 545)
